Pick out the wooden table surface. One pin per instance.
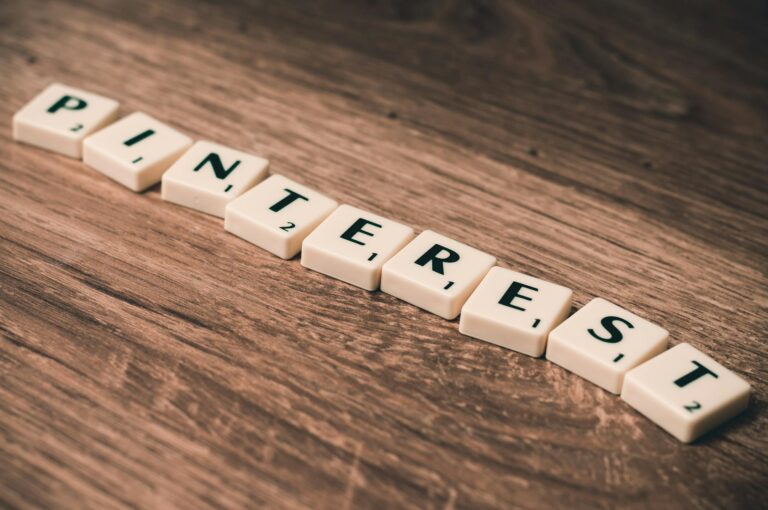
(150, 359)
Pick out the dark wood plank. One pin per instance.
(150, 359)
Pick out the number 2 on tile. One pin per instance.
(288, 227)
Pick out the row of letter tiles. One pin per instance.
(134, 151)
(682, 390)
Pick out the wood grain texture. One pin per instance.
(149, 359)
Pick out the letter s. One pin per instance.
(610, 327)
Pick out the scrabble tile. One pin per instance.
(135, 150)
(353, 245)
(277, 215)
(514, 310)
(602, 341)
(685, 392)
(209, 175)
(435, 273)
(60, 117)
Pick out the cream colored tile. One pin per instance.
(435, 273)
(209, 175)
(353, 245)
(602, 341)
(515, 311)
(135, 150)
(60, 117)
(685, 392)
(278, 215)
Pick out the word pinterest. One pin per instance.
(681, 389)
